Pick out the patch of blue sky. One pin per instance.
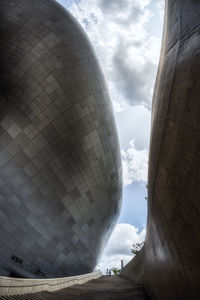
(134, 205)
(155, 24)
(133, 123)
(68, 3)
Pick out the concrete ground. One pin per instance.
(104, 288)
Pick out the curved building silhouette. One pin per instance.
(60, 166)
(169, 264)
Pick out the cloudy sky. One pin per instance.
(126, 35)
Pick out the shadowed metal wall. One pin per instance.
(169, 264)
(60, 166)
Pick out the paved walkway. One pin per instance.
(104, 288)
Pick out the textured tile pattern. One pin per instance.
(60, 167)
(106, 287)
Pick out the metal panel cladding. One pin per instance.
(60, 166)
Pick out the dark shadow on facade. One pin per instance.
(60, 165)
(169, 264)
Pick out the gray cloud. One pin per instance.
(119, 246)
(117, 29)
(129, 12)
(134, 81)
(113, 5)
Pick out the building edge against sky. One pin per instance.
(169, 264)
(60, 178)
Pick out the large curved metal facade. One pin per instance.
(60, 167)
(169, 264)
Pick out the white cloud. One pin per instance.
(134, 163)
(128, 54)
(129, 120)
(118, 106)
(118, 30)
(160, 6)
(119, 246)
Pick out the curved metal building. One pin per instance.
(60, 166)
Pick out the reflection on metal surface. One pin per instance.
(60, 166)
